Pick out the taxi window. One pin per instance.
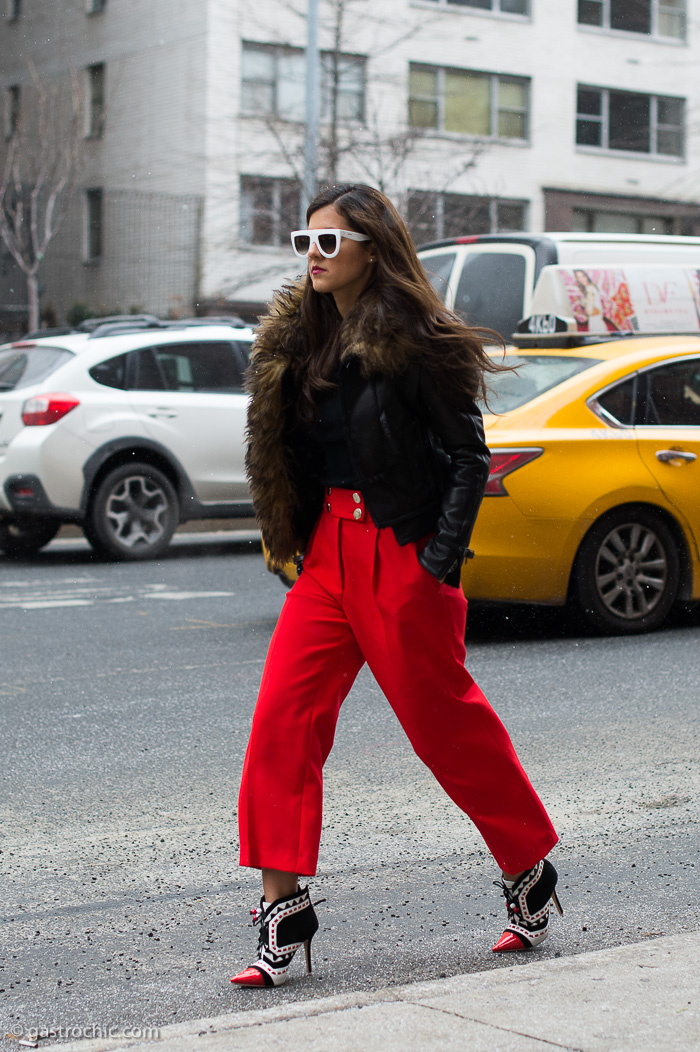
(673, 395)
(491, 289)
(533, 375)
(618, 402)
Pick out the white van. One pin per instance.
(489, 278)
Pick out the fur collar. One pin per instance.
(279, 346)
(385, 349)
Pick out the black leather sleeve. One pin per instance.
(458, 427)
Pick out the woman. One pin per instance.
(366, 452)
(591, 302)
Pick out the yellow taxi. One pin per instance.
(593, 496)
(594, 489)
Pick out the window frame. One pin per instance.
(470, 201)
(495, 110)
(279, 51)
(276, 215)
(495, 8)
(657, 9)
(590, 214)
(604, 122)
(95, 109)
(94, 225)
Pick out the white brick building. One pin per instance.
(473, 114)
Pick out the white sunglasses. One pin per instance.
(327, 241)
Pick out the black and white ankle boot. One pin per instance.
(285, 925)
(527, 900)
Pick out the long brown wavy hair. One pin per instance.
(398, 304)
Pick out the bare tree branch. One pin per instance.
(382, 154)
(41, 164)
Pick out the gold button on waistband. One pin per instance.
(357, 514)
(356, 497)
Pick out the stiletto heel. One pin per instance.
(285, 925)
(527, 901)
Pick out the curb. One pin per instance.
(642, 996)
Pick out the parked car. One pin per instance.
(490, 278)
(126, 428)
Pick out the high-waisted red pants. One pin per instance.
(363, 597)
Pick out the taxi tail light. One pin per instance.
(47, 409)
(505, 462)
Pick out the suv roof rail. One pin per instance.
(142, 320)
(218, 319)
(120, 324)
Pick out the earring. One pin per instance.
(371, 259)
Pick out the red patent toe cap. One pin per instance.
(509, 942)
(249, 977)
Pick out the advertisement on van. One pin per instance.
(598, 299)
(638, 299)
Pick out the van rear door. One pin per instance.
(488, 284)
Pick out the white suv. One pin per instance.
(126, 428)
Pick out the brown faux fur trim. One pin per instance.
(280, 345)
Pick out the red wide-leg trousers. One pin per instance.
(363, 597)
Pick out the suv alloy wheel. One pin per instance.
(133, 513)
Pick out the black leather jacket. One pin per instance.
(419, 455)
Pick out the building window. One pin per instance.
(274, 84)
(269, 210)
(93, 7)
(93, 225)
(657, 18)
(13, 98)
(604, 221)
(432, 216)
(95, 113)
(506, 7)
(13, 10)
(598, 213)
(629, 121)
(487, 105)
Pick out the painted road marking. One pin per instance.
(50, 595)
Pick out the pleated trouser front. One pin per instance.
(363, 597)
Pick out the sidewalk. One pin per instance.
(644, 997)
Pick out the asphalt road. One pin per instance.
(125, 699)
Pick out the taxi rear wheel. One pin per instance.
(627, 572)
